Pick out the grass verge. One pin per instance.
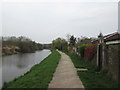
(39, 76)
(91, 78)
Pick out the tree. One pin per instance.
(72, 40)
(83, 40)
(24, 44)
(59, 43)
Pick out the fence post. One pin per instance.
(100, 52)
(97, 55)
(103, 55)
(119, 65)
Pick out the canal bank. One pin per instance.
(39, 76)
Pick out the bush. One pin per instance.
(69, 48)
(81, 50)
(90, 51)
(87, 50)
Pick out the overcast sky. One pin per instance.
(45, 21)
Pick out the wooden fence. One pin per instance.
(108, 58)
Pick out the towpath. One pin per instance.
(65, 75)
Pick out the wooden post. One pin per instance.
(100, 51)
(97, 55)
(103, 55)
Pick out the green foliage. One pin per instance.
(82, 50)
(28, 47)
(92, 78)
(25, 44)
(60, 44)
(39, 76)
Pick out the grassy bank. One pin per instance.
(39, 76)
(91, 78)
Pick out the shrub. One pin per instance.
(90, 51)
(69, 48)
(81, 50)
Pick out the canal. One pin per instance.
(14, 66)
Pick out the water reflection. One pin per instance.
(16, 65)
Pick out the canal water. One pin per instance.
(14, 66)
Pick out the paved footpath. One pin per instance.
(65, 75)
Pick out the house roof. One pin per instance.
(112, 37)
(109, 37)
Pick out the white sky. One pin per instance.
(46, 20)
(60, 1)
